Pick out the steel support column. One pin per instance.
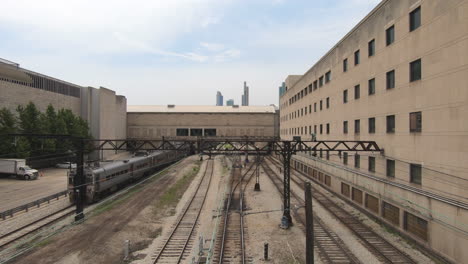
(79, 181)
(286, 220)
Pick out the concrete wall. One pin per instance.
(107, 115)
(155, 125)
(12, 95)
(441, 42)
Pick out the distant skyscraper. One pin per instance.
(230, 102)
(245, 96)
(219, 99)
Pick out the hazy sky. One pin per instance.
(175, 51)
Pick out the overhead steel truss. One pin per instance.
(214, 146)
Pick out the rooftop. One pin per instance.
(199, 109)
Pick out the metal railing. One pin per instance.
(37, 203)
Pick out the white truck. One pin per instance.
(18, 168)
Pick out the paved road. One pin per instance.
(15, 192)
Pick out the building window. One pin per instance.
(357, 126)
(321, 81)
(390, 35)
(328, 77)
(321, 129)
(328, 102)
(391, 124)
(357, 91)
(315, 85)
(357, 161)
(391, 79)
(315, 129)
(182, 132)
(210, 132)
(345, 127)
(390, 168)
(415, 173)
(372, 86)
(196, 132)
(310, 88)
(415, 122)
(328, 128)
(415, 70)
(391, 213)
(345, 96)
(320, 105)
(415, 225)
(345, 158)
(372, 125)
(345, 65)
(356, 57)
(310, 108)
(415, 19)
(315, 107)
(372, 203)
(356, 195)
(371, 47)
(372, 164)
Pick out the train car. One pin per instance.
(106, 177)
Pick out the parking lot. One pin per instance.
(14, 192)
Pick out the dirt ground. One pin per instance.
(100, 239)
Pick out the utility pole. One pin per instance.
(309, 224)
(79, 182)
(286, 220)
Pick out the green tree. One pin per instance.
(30, 123)
(7, 126)
(49, 126)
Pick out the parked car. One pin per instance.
(66, 165)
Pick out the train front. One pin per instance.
(89, 181)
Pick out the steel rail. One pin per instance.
(223, 239)
(35, 228)
(325, 251)
(183, 215)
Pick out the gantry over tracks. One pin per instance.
(210, 146)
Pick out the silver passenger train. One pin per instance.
(106, 177)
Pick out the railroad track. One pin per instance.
(330, 247)
(179, 242)
(377, 245)
(17, 234)
(231, 246)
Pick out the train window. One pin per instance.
(210, 132)
(181, 132)
(196, 132)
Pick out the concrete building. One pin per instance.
(400, 78)
(219, 99)
(245, 96)
(230, 102)
(102, 108)
(154, 122)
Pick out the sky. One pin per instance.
(158, 52)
